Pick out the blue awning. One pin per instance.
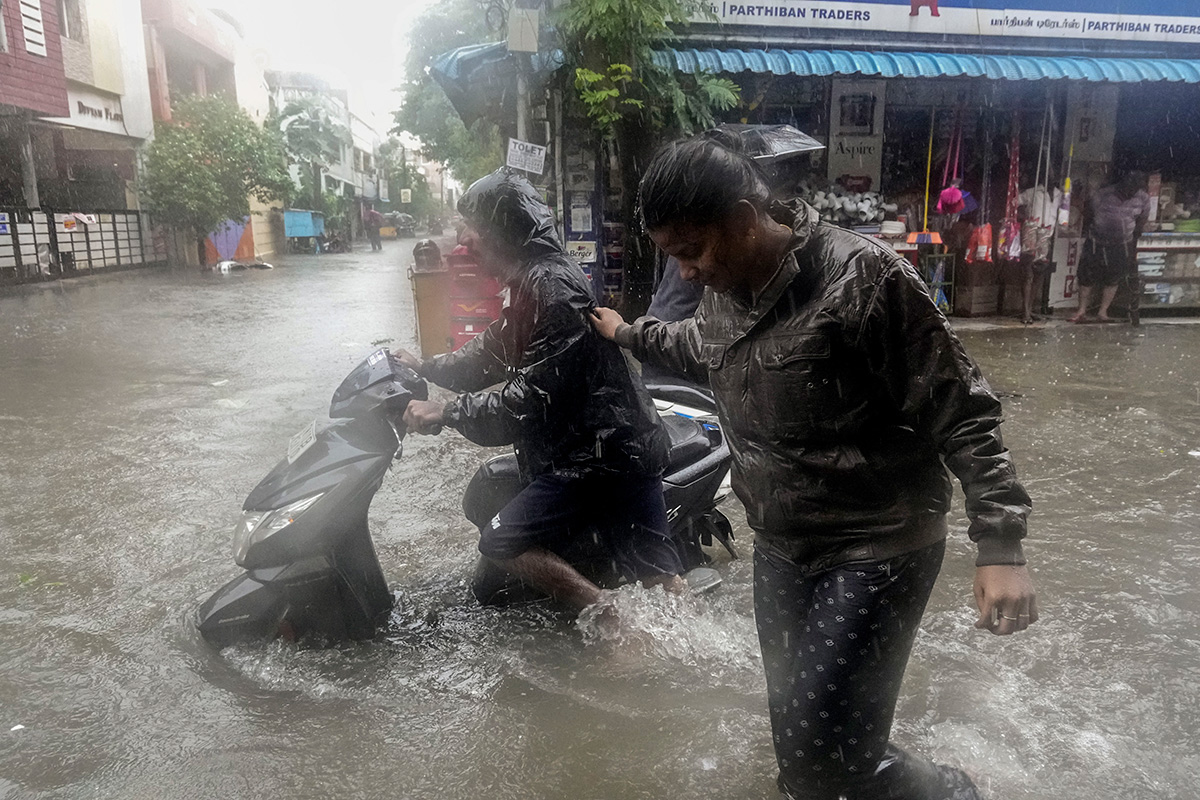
(931, 65)
(480, 80)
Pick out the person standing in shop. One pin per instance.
(1113, 222)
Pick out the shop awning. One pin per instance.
(931, 65)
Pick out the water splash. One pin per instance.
(688, 629)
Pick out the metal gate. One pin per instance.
(36, 244)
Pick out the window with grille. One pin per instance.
(33, 27)
(70, 23)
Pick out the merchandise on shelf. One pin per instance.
(838, 205)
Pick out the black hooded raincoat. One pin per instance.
(845, 395)
(567, 398)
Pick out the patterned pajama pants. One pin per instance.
(835, 644)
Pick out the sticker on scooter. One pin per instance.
(376, 357)
(302, 441)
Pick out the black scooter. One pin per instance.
(311, 567)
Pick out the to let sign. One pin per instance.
(527, 156)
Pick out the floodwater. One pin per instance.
(138, 410)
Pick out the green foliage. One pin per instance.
(601, 93)
(402, 175)
(694, 99)
(202, 168)
(313, 134)
(337, 213)
(609, 44)
(426, 113)
(312, 130)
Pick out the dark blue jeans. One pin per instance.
(835, 644)
(616, 521)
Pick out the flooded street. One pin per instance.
(138, 410)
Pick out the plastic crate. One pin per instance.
(476, 307)
(464, 330)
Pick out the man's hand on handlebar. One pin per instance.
(408, 359)
(606, 321)
(425, 416)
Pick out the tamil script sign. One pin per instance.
(1157, 21)
(527, 156)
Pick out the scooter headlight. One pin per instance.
(258, 525)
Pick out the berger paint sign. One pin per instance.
(1111, 20)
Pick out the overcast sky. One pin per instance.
(358, 45)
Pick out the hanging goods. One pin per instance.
(1010, 227)
(1041, 206)
(1064, 208)
(951, 201)
(926, 236)
(938, 281)
(979, 247)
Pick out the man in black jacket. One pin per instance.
(586, 434)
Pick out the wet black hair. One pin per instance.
(699, 181)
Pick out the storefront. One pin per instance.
(913, 97)
(982, 94)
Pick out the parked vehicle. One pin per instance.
(303, 541)
(405, 224)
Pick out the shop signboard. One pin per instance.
(94, 111)
(583, 252)
(855, 157)
(1107, 20)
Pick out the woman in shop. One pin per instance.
(1114, 220)
(842, 391)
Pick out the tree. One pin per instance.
(313, 134)
(426, 113)
(202, 168)
(608, 45)
(403, 175)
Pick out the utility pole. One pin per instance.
(523, 27)
(522, 103)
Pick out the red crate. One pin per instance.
(476, 307)
(474, 288)
(464, 330)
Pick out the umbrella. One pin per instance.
(768, 144)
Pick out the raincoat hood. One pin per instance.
(507, 207)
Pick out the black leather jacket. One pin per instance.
(567, 398)
(845, 395)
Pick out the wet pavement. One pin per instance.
(137, 411)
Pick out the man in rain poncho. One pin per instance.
(587, 438)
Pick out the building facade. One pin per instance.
(32, 82)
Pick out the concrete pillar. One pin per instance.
(28, 168)
(201, 79)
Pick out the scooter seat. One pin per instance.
(689, 441)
